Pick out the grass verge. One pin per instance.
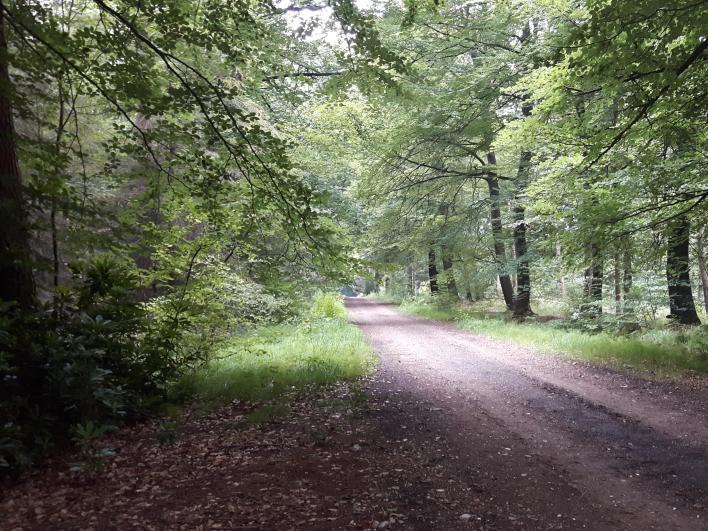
(660, 351)
(275, 359)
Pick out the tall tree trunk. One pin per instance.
(449, 275)
(432, 272)
(522, 301)
(594, 271)
(469, 295)
(681, 306)
(562, 277)
(617, 278)
(61, 122)
(700, 254)
(16, 278)
(377, 281)
(497, 234)
(410, 283)
(627, 306)
(593, 280)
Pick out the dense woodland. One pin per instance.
(176, 173)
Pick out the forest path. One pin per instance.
(559, 444)
(452, 431)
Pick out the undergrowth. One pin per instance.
(323, 348)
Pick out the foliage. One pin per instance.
(92, 455)
(163, 199)
(328, 305)
(181, 177)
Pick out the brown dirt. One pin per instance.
(628, 452)
(454, 425)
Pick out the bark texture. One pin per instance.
(450, 283)
(432, 273)
(497, 233)
(16, 278)
(522, 300)
(703, 271)
(681, 306)
(627, 306)
(593, 279)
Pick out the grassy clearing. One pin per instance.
(661, 351)
(275, 359)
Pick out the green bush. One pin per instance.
(328, 305)
(97, 353)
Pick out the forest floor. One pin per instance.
(453, 431)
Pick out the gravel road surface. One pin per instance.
(555, 444)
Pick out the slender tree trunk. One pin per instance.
(522, 301)
(597, 276)
(627, 307)
(61, 122)
(617, 278)
(432, 272)
(562, 277)
(593, 279)
(594, 271)
(16, 277)
(681, 306)
(411, 285)
(497, 234)
(449, 275)
(700, 254)
(469, 295)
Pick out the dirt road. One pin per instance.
(452, 432)
(550, 444)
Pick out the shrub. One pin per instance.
(328, 305)
(98, 354)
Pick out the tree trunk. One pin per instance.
(700, 254)
(411, 285)
(593, 280)
(616, 277)
(61, 122)
(432, 272)
(627, 307)
(522, 301)
(681, 306)
(16, 278)
(497, 234)
(562, 277)
(449, 275)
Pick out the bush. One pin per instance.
(328, 305)
(98, 354)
